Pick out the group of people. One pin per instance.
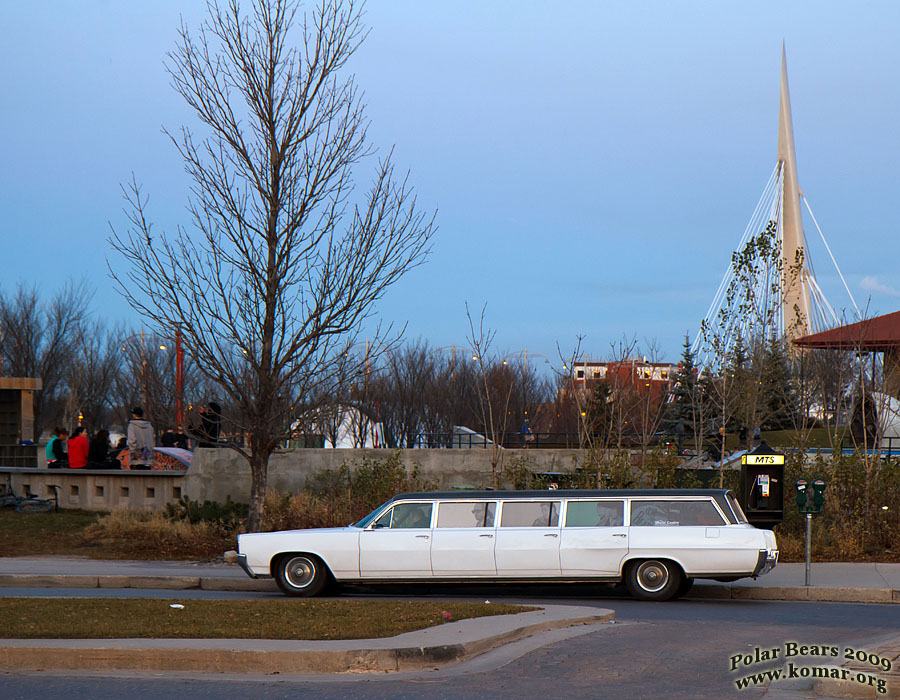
(79, 451)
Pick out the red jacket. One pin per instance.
(78, 451)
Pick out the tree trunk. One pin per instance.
(259, 465)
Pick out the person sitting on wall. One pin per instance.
(56, 450)
(115, 452)
(78, 449)
(98, 451)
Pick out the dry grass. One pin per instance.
(86, 618)
(138, 534)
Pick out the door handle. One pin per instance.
(421, 537)
(619, 534)
(551, 534)
(485, 535)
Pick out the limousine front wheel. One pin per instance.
(301, 574)
(653, 579)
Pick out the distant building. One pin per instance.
(655, 377)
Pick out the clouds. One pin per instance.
(871, 284)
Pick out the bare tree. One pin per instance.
(283, 261)
(494, 394)
(39, 339)
(92, 375)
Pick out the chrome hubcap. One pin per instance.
(299, 572)
(652, 576)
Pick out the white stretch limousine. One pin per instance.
(656, 540)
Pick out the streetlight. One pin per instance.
(179, 370)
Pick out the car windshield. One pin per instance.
(368, 519)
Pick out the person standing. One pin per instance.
(140, 440)
(78, 449)
(210, 425)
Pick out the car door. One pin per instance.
(463, 539)
(689, 530)
(594, 539)
(398, 543)
(527, 541)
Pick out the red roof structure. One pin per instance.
(879, 334)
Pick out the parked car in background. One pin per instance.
(656, 541)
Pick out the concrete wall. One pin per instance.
(218, 473)
(99, 489)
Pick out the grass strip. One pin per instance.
(151, 618)
(28, 534)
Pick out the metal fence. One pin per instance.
(887, 446)
(519, 440)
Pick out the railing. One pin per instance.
(887, 446)
(508, 440)
(514, 440)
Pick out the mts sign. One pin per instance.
(759, 460)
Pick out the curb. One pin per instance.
(811, 593)
(227, 583)
(174, 583)
(259, 656)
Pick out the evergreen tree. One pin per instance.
(688, 401)
(742, 388)
(778, 402)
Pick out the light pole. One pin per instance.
(179, 371)
(179, 378)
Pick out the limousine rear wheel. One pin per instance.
(301, 574)
(653, 579)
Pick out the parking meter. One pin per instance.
(818, 496)
(802, 494)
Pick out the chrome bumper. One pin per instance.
(242, 562)
(767, 560)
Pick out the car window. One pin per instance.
(674, 513)
(406, 515)
(595, 513)
(530, 514)
(466, 514)
(736, 508)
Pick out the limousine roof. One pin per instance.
(467, 494)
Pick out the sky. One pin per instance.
(592, 165)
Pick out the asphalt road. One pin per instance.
(669, 650)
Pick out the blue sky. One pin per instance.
(592, 164)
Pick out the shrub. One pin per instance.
(861, 516)
(228, 514)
